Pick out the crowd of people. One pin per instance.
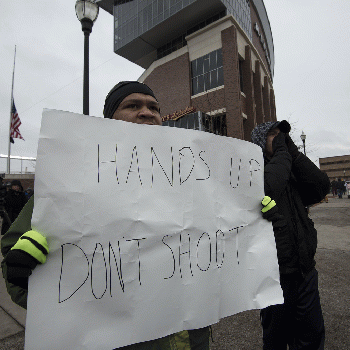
(340, 187)
(13, 202)
(292, 183)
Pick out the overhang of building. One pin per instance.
(140, 49)
(106, 5)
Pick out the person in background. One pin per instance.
(340, 185)
(24, 248)
(292, 183)
(28, 192)
(15, 200)
(334, 188)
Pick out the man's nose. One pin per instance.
(146, 112)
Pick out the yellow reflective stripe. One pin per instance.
(268, 204)
(266, 200)
(38, 238)
(31, 249)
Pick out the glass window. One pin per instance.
(209, 71)
(220, 76)
(189, 121)
(200, 65)
(195, 86)
(194, 68)
(213, 62)
(241, 74)
(213, 79)
(201, 83)
(206, 64)
(206, 81)
(160, 7)
(219, 61)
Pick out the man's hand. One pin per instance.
(279, 143)
(269, 205)
(270, 213)
(292, 148)
(31, 249)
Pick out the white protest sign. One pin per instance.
(151, 229)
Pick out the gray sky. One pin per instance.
(311, 83)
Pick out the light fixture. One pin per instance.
(303, 138)
(87, 12)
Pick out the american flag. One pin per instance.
(15, 124)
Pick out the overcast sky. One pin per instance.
(311, 82)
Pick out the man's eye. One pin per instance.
(132, 106)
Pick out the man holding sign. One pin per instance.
(128, 101)
(155, 236)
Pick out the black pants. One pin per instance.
(299, 321)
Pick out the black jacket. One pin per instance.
(294, 185)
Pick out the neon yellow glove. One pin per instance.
(30, 249)
(268, 204)
(34, 244)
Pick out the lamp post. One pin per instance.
(303, 138)
(87, 12)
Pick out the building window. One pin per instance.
(207, 72)
(180, 42)
(200, 121)
(215, 124)
(241, 74)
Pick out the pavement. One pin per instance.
(243, 331)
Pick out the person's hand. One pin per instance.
(30, 249)
(270, 213)
(269, 207)
(279, 143)
(292, 148)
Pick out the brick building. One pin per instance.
(336, 167)
(214, 55)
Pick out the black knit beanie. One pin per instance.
(120, 91)
(259, 133)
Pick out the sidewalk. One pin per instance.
(12, 320)
(243, 331)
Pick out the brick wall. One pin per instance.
(210, 101)
(171, 83)
(248, 90)
(231, 81)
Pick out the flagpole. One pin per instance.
(9, 138)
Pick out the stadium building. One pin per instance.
(336, 167)
(212, 56)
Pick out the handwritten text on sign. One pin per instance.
(151, 230)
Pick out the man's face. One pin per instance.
(140, 109)
(269, 138)
(15, 188)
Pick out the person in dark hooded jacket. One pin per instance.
(15, 200)
(294, 183)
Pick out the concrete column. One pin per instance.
(258, 94)
(248, 87)
(231, 80)
(266, 97)
(273, 106)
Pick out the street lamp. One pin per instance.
(87, 12)
(303, 138)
